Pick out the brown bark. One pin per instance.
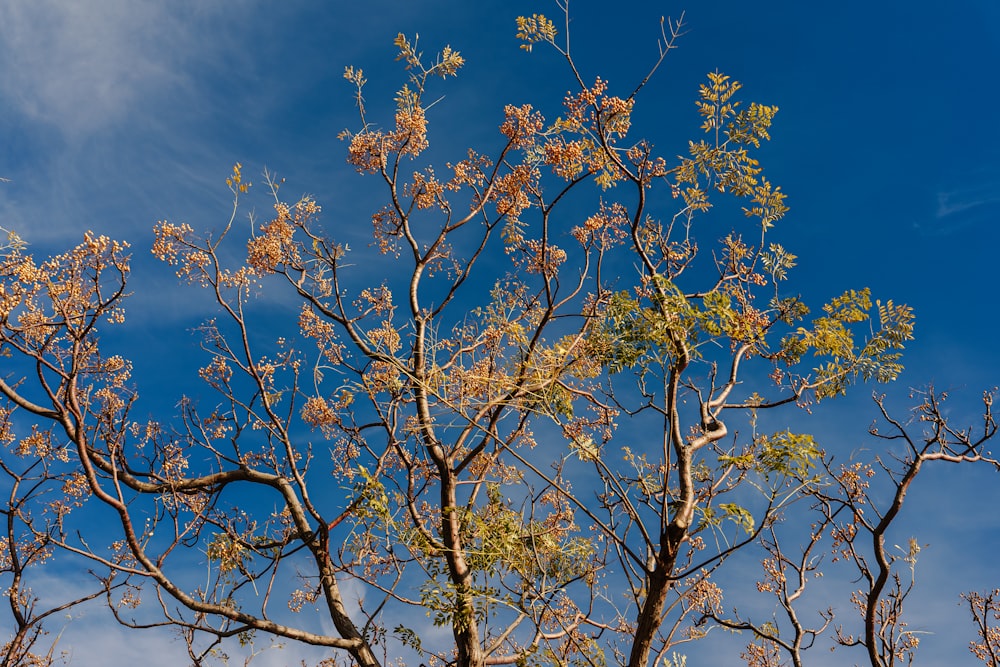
(658, 585)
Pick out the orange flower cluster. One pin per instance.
(763, 654)
(266, 252)
(109, 401)
(174, 462)
(384, 338)
(171, 241)
(591, 110)
(568, 158)
(387, 226)
(774, 576)
(426, 190)
(604, 229)
(276, 245)
(324, 334)
(521, 125)
(217, 373)
(69, 290)
(543, 258)
(366, 152)
(6, 432)
(705, 595)
(511, 191)
(300, 597)
(318, 413)
(382, 376)
(477, 380)
(470, 171)
(647, 167)
(410, 137)
(853, 479)
(376, 299)
(369, 151)
(36, 445)
(174, 245)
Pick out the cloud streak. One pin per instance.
(960, 208)
(80, 67)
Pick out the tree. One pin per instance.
(32, 475)
(854, 517)
(541, 428)
(984, 610)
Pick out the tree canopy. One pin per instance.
(565, 385)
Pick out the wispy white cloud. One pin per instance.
(960, 200)
(81, 66)
(976, 201)
(97, 95)
(118, 113)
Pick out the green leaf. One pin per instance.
(738, 514)
(787, 454)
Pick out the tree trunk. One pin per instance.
(469, 652)
(658, 585)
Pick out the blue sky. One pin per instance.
(119, 113)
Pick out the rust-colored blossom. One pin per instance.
(521, 125)
(604, 229)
